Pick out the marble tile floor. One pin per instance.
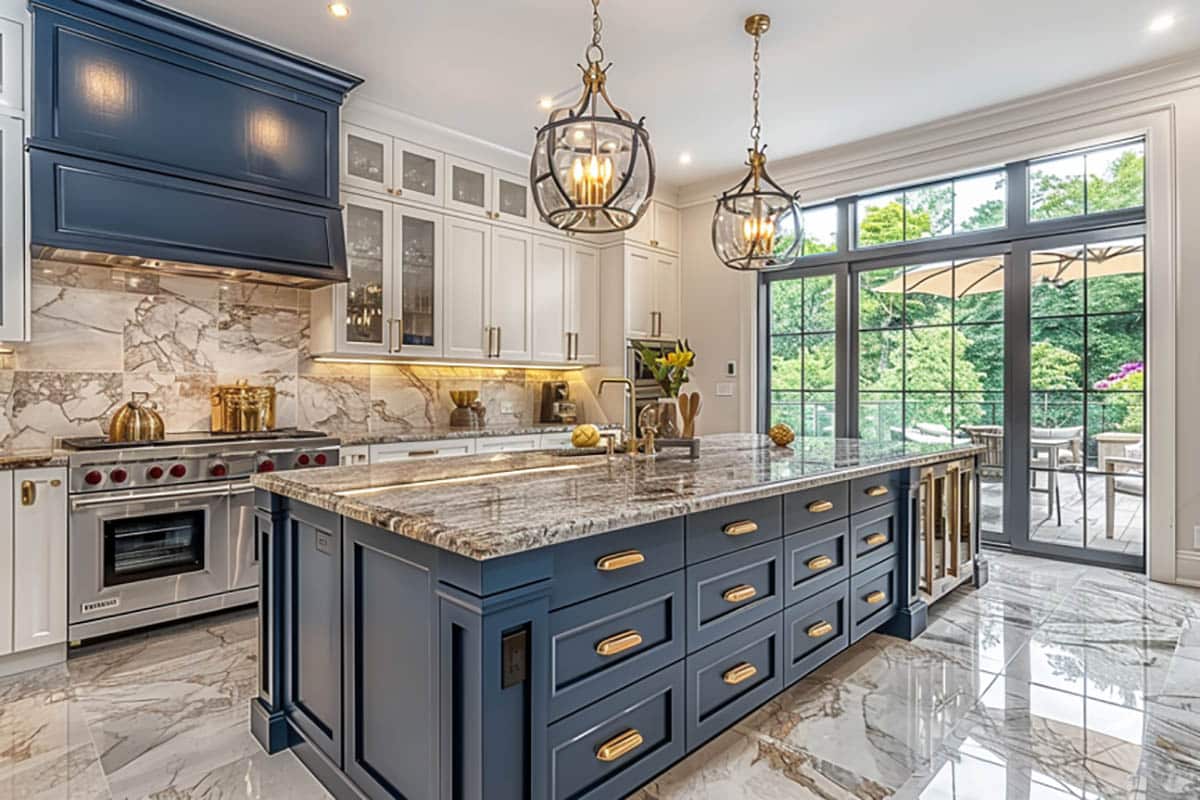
(1054, 681)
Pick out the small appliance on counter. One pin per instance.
(468, 411)
(557, 405)
(242, 408)
(136, 421)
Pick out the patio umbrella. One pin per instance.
(1072, 263)
(974, 276)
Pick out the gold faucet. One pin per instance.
(630, 431)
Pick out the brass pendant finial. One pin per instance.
(758, 24)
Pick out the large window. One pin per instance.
(803, 354)
(973, 203)
(1108, 178)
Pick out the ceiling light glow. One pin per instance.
(546, 103)
(685, 158)
(339, 10)
(1161, 23)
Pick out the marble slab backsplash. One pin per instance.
(99, 334)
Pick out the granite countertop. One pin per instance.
(489, 506)
(446, 432)
(32, 457)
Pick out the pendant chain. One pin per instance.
(597, 26)
(756, 128)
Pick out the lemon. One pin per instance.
(781, 434)
(585, 436)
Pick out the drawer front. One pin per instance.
(875, 490)
(612, 640)
(728, 593)
(873, 598)
(642, 728)
(811, 507)
(732, 678)
(590, 567)
(874, 536)
(724, 530)
(815, 560)
(815, 631)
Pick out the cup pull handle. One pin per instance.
(875, 539)
(621, 560)
(875, 598)
(877, 491)
(619, 745)
(742, 672)
(739, 594)
(820, 506)
(618, 643)
(740, 528)
(820, 562)
(822, 628)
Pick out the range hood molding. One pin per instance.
(168, 140)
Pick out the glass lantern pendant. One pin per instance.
(756, 224)
(592, 169)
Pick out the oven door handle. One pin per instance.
(241, 488)
(88, 502)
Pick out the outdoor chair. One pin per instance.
(1122, 475)
(1069, 459)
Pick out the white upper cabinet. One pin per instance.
(360, 318)
(510, 293)
(366, 160)
(39, 523)
(551, 300)
(512, 198)
(652, 292)
(468, 187)
(418, 271)
(468, 258)
(583, 305)
(417, 175)
(666, 296)
(12, 60)
(658, 228)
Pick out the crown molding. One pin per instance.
(818, 172)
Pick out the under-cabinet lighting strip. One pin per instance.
(476, 365)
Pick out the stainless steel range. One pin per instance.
(165, 529)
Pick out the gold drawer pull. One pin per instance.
(875, 538)
(820, 629)
(820, 562)
(740, 528)
(820, 506)
(742, 672)
(619, 745)
(877, 491)
(739, 593)
(875, 598)
(618, 643)
(621, 560)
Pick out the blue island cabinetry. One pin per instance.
(577, 670)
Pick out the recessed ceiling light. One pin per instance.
(1161, 23)
(685, 158)
(546, 103)
(339, 10)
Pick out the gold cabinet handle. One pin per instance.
(740, 528)
(822, 628)
(875, 598)
(820, 506)
(619, 745)
(820, 562)
(28, 493)
(875, 539)
(739, 593)
(742, 672)
(618, 643)
(621, 560)
(877, 491)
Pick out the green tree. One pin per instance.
(1052, 368)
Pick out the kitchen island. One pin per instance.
(562, 625)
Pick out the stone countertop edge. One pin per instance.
(431, 434)
(568, 524)
(34, 457)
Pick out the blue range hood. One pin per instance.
(158, 140)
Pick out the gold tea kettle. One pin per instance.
(136, 421)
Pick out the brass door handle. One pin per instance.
(28, 493)
(621, 560)
(742, 672)
(820, 506)
(875, 598)
(877, 491)
(421, 453)
(820, 562)
(618, 643)
(875, 539)
(739, 593)
(619, 745)
(740, 528)
(822, 628)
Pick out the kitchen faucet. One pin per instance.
(630, 430)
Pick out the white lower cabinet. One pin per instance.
(352, 455)
(508, 444)
(556, 441)
(406, 451)
(6, 563)
(39, 557)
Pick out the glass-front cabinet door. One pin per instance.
(468, 186)
(418, 175)
(419, 288)
(366, 299)
(366, 159)
(513, 201)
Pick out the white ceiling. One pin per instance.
(833, 72)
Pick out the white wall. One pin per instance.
(1162, 102)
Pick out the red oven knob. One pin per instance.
(118, 475)
(178, 470)
(320, 458)
(302, 460)
(93, 477)
(266, 466)
(218, 470)
(154, 473)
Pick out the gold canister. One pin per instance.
(241, 408)
(136, 421)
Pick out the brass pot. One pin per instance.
(240, 408)
(136, 421)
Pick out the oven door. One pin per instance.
(134, 550)
(243, 539)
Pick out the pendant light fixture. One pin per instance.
(756, 224)
(592, 169)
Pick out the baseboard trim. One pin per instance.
(38, 658)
